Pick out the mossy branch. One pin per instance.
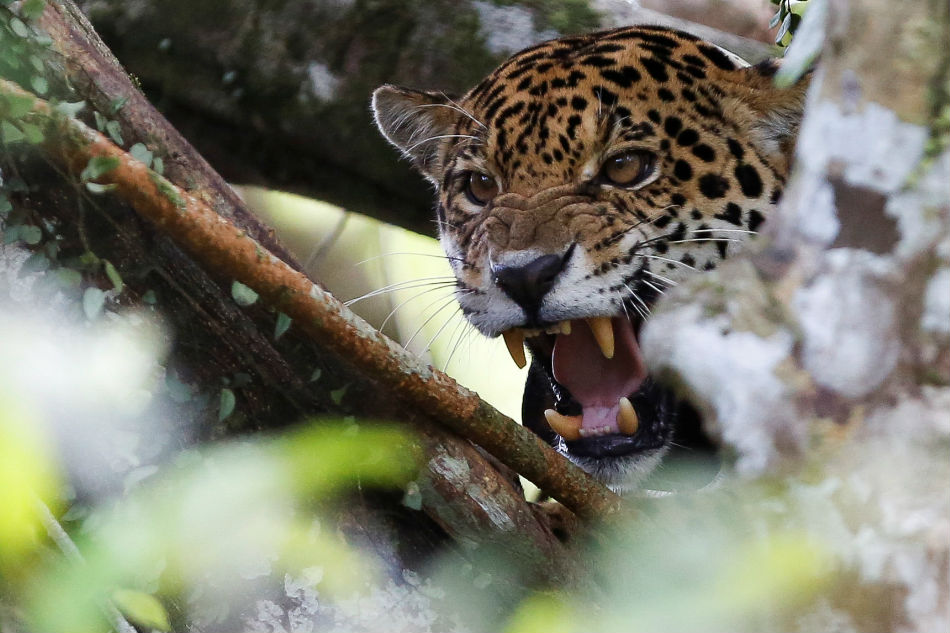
(227, 252)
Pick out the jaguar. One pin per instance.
(577, 183)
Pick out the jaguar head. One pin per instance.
(576, 184)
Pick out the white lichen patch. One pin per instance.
(848, 323)
(322, 83)
(732, 375)
(507, 29)
(457, 472)
(936, 316)
(874, 148)
(923, 211)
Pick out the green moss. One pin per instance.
(169, 191)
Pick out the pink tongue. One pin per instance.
(596, 382)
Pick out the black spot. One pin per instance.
(688, 94)
(523, 84)
(608, 48)
(574, 78)
(661, 247)
(688, 259)
(665, 95)
(687, 137)
(665, 144)
(654, 116)
(682, 170)
(749, 180)
(673, 125)
(679, 234)
(716, 56)
(776, 195)
(558, 83)
(694, 60)
(510, 111)
(704, 153)
(698, 73)
(625, 77)
(563, 140)
(545, 67)
(597, 61)
(552, 109)
(656, 68)
(713, 186)
(735, 148)
(662, 221)
(578, 103)
(572, 122)
(547, 158)
(696, 214)
(755, 220)
(605, 96)
(558, 155)
(721, 246)
(659, 40)
(678, 199)
(731, 214)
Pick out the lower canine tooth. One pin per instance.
(603, 331)
(568, 427)
(514, 341)
(627, 420)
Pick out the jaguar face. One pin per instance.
(576, 184)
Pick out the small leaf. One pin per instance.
(17, 105)
(412, 498)
(117, 104)
(98, 189)
(34, 135)
(315, 376)
(18, 27)
(98, 166)
(150, 297)
(141, 153)
(68, 277)
(158, 165)
(337, 395)
(143, 609)
(115, 132)
(31, 234)
(35, 263)
(11, 233)
(70, 108)
(100, 120)
(283, 324)
(10, 133)
(243, 295)
(226, 405)
(114, 276)
(39, 84)
(93, 299)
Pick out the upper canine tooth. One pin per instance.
(627, 420)
(568, 427)
(514, 340)
(603, 331)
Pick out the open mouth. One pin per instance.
(605, 404)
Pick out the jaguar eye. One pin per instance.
(480, 188)
(629, 168)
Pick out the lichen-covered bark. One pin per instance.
(277, 93)
(827, 352)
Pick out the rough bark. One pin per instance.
(277, 94)
(828, 351)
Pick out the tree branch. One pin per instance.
(230, 253)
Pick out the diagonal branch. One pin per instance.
(229, 253)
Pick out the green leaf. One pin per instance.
(178, 391)
(115, 132)
(68, 277)
(412, 498)
(117, 104)
(141, 153)
(39, 84)
(32, 9)
(10, 133)
(226, 404)
(35, 263)
(18, 27)
(98, 189)
(100, 120)
(114, 276)
(98, 166)
(31, 234)
(11, 233)
(150, 297)
(17, 105)
(158, 165)
(70, 108)
(315, 376)
(337, 395)
(34, 135)
(243, 295)
(93, 299)
(283, 324)
(142, 609)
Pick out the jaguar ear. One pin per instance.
(776, 112)
(415, 122)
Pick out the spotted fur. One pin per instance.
(544, 123)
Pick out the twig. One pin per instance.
(228, 252)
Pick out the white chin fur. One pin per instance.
(620, 474)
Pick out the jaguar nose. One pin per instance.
(527, 284)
